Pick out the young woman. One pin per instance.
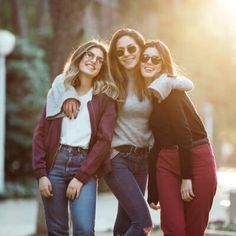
(68, 154)
(182, 165)
(132, 136)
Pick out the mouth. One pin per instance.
(91, 66)
(128, 59)
(148, 69)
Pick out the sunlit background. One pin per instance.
(200, 33)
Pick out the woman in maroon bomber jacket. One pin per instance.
(68, 154)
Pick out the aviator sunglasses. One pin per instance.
(131, 49)
(154, 59)
(90, 55)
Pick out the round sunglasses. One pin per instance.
(90, 55)
(131, 49)
(154, 59)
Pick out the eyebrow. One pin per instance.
(131, 44)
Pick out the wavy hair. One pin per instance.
(117, 71)
(102, 83)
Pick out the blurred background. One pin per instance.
(201, 35)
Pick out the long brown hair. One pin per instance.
(168, 65)
(117, 70)
(102, 83)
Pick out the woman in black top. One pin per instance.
(182, 173)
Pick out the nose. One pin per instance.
(149, 61)
(126, 52)
(94, 60)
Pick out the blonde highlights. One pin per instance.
(102, 83)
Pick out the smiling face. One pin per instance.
(91, 62)
(151, 63)
(127, 52)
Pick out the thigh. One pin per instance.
(169, 183)
(83, 208)
(141, 173)
(57, 217)
(126, 189)
(204, 188)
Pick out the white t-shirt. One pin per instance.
(77, 132)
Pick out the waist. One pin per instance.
(71, 149)
(194, 144)
(132, 149)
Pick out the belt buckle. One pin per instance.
(135, 150)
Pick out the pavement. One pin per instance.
(18, 217)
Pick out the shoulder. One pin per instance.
(59, 80)
(104, 98)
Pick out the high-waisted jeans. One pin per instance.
(179, 218)
(82, 209)
(128, 182)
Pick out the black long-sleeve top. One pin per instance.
(174, 122)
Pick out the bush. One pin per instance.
(27, 85)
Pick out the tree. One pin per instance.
(67, 22)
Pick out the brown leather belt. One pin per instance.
(132, 149)
(194, 144)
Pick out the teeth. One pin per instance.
(91, 67)
(148, 69)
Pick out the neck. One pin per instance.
(85, 84)
(130, 73)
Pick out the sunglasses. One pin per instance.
(131, 49)
(90, 55)
(154, 59)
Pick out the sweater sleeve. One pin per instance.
(57, 95)
(101, 148)
(182, 83)
(152, 179)
(182, 131)
(164, 85)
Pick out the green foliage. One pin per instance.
(27, 85)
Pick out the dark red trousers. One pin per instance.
(179, 218)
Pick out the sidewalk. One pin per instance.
(18, 217)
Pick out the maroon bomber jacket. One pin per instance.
(103, 114)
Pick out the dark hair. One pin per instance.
(168, 65)
(116, 69)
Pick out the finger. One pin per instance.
(187, 197)
(70, 111)
(74, 109)
(77, 106)
(50, 189)
(44, 193)
(77, 193)
(77, 112)
(71, 193)
(66, 110)
(191, 193)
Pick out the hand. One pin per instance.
(71, 108)
(45, 187)
(73, 189)
(155, 206)
(187, 190)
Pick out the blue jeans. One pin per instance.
(82, 209)
(128, 182)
